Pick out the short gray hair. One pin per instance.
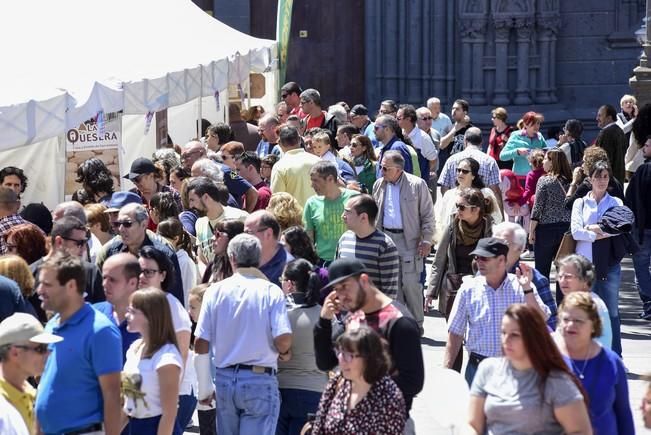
(71, 208)
(138, 210)
(584, 267)
(394, 157)
(388, 121)
(311, 95)
(245, 250)
(339, 113)
(433, 100)
(473, 136)
(519, 234)
(210, 169)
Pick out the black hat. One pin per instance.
(39, 215)
(140, 166)
(491, 247)
(359, 109)
(342, 269)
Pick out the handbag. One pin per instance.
(453, 282)
(567, 247)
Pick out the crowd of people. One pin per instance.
(271, 275)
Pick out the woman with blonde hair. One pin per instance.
(152, 371)
(16, 268)
(286, 209)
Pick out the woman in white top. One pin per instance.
(172, 230)
(157, 271)
(152, 371)
(467, 176)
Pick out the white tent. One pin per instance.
(66, 60)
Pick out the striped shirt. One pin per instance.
(478, 309)
(380, 256)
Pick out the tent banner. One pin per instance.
(99, 138)
(283, 27)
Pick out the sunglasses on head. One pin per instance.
(462, 207)
(125, 224)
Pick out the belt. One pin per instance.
(95, 427)
(475, 358)
(394, 230)
(254, 369)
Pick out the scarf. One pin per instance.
(359, 161)
(469, 235)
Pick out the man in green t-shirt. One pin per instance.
(322, 212)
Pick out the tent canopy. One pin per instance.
(71, 59)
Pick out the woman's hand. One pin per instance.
(595, 229)
(577, 175)
(522, 151)
(532, 237)
(428, 301)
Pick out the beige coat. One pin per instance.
(416, 209)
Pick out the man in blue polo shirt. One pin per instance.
(120, 275)
(79, 391)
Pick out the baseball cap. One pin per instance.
(359, 109)
(491, 247)
(342, 269)
(140, 166)
(120, 199)
(24, 327)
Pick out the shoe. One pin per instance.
(527, 255)
(644, 315)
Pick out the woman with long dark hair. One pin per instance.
(220, 268)
(530, 389)
(549, 217)
(96, 180)
(299, 379)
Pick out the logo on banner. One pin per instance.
(88, 136)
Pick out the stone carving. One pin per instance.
(472, 28)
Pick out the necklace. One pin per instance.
(585, 363)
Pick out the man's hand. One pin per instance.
(524, 274)
(424, 248)
(330, 306)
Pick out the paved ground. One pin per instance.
(636, 343)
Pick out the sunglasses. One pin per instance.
(426, 118)
(463, 207)
(346, 356)
(41, 349)
(482, 259)
(125, 224)
(377, 126)
(78, 243)
(463, 171)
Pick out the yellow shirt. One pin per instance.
(23, 401)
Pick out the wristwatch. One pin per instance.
(526, 292)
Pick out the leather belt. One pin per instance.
(476, 358)
(254, 369)
(95, 427)
(394, 230)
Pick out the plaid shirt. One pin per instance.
(488, 169)
(478, 309)
(5, 224)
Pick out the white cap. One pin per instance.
(24, 327)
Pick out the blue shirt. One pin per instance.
(69, 394)
(237, 186)
(395, 145)
(11, 300)
(106, 308)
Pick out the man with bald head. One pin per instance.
(120, 275)
(132, 235)
(273, 257)
(268, 130)
(191, 152)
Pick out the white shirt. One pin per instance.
(240, 317)
(586, 211)
(189, 273)
(424, 143)
(143, 375)
(392, 217)
(181, 322)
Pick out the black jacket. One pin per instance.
(637, 196)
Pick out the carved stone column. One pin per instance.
(641, 80)
(523, 27)
(547, 30)
(501, 91)
(473, 40)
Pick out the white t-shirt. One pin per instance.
(189, 273)
(142, 376)
(181, 322)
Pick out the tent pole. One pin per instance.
(248, 90)
(199, 109)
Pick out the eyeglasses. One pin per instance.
(78, 243)
(346, 356)
(41, 349)
(378, 126)
(426, 118)
(386, 168)
(259, 230)
(125, 224)
(463, 171)
(463, 207)
(149, 272)
(578, 322)
(566, 276)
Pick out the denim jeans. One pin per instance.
(294, 407)
(548, 239)
(608, 290)
(642, 264)
(247, 402)
(187, 404)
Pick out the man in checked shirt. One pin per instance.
(481, 302)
